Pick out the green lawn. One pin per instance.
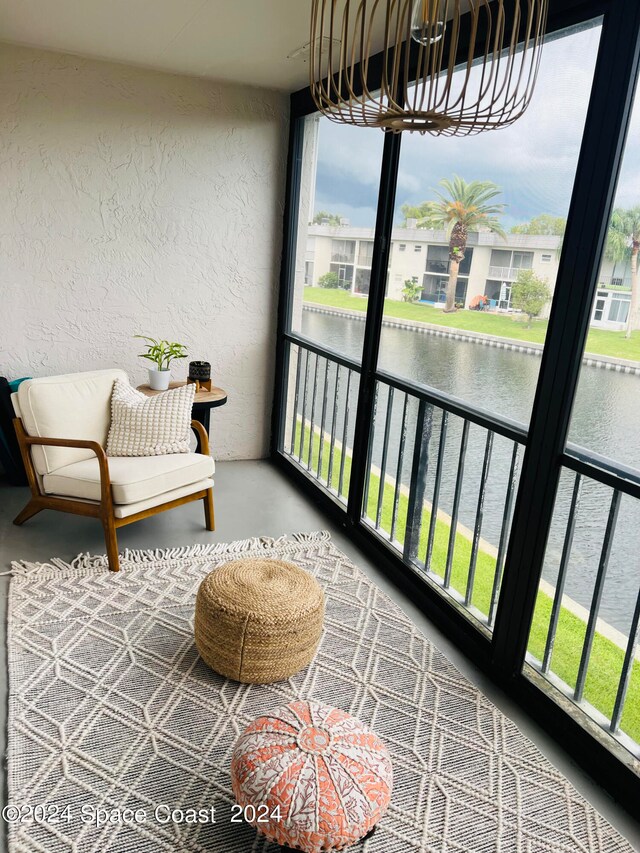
(599, 342)
(606, 658)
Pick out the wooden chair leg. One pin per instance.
(112, 544)
(209, 517)
(31, 509)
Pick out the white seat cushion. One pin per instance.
(125, 510)
(133, 479)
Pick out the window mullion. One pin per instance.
(373, 325)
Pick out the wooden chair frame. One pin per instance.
(104, 508)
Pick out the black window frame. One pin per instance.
(502, 655)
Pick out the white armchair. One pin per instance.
(62, 423)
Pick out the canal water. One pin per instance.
(605, 420)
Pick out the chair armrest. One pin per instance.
(25, 441)
(97, 448)
(197, 427)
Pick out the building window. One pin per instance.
(345, 274)
(365, 253)
(598, 311)
(522, 260)
(506, 264)
(402, 247)
(343, 251)
(308, 273)
(438, 261)
(417, 248)
(363, 279)
(434, 289)
(619, 310)
(499, 294)
(501, 258)
(546, 259)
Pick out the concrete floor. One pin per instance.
(252, 499)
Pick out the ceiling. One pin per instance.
(247, 42)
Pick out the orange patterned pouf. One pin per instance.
(311, 777)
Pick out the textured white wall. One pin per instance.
(140, 202)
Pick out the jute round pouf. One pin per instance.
(258, 621)
(324, 778)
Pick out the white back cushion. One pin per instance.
(76, 405)
(16, 404)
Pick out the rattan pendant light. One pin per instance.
(452, 67)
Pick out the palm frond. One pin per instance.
(464, 203)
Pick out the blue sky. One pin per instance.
(533, 161)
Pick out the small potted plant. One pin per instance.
(161, 353)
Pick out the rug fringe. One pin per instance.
(89, 563)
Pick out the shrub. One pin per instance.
(530, 294)
(411, 291)
(329, 279)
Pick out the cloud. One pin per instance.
(360, 216)
(348, 151)
(534, 160)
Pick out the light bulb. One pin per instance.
(428, 21)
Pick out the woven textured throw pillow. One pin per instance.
(149, 426)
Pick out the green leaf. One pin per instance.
(162, 352)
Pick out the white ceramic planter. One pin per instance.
(159, 379)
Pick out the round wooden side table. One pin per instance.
(203, 402)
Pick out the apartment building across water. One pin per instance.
(490, 267)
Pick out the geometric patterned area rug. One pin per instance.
(120, 737)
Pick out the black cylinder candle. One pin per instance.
(200, 371)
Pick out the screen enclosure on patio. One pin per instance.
(488, 457)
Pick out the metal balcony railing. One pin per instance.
(605, 669)
(429, 463)
(438, 460)
(615, 281)
(504, 273)
(439, 492)
(320, 416)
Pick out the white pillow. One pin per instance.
(149, 426)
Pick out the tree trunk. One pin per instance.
(454, 266)
(632, 321)
(457, 246)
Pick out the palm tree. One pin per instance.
(460, 209)
(623, 242)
